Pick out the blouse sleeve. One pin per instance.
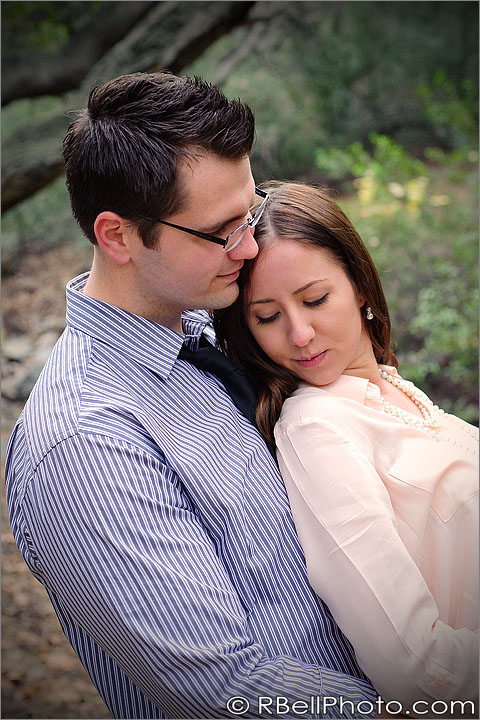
(359, 566)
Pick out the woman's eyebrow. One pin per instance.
(260, 302)
(295, 292)
(305, 287)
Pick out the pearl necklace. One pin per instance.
(424, 404)
(428, 422)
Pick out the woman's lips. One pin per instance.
(312, 361)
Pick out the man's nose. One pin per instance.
(247, 248)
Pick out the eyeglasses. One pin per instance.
(233, 238)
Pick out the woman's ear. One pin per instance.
(360, 300)
(115, 236)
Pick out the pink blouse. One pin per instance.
(388, 519)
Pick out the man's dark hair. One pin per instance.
(122, 152)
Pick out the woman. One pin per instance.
(382, 483)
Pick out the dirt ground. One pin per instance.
(41, 676)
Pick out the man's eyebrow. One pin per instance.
(221, 224)
(237, 218)
(295, 292)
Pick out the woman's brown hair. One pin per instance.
(307, 215)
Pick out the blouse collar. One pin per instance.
(359, 389)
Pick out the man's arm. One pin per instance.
(119, 544)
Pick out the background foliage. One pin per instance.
(377, 100)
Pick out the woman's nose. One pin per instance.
(301, 333)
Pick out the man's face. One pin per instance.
(186, 272)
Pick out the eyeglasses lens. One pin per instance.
(237, 235)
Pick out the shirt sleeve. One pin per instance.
(359, 565)
(115, 538)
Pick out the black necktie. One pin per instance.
(211, 360)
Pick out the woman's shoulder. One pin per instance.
(306, 394)
(310, 403)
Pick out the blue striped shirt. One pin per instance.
(155, 517)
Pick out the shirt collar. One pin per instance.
(152, 345)
(357, 388)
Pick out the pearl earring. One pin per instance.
(369, 313)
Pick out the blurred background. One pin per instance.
(376, 100)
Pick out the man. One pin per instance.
(140, 496)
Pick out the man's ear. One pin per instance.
(115, 236)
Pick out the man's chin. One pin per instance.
(225, 298)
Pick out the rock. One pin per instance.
(44, 346)
(17, 347)
(18, 385)
(25, 360)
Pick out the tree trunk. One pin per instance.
(58, 72)
(170, 36)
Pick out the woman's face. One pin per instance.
(304, 313)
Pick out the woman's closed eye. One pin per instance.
(314, 303)
(307, 303)
(265, 320)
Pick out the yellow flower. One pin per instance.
(380, 209)
(366, 188)
(439, 200)
(396, 189)
(416, 190)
